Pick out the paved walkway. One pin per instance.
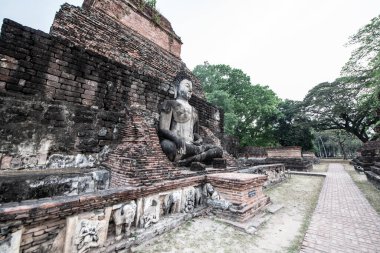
(343, 220)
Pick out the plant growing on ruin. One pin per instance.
(151, 3)
(156, 17)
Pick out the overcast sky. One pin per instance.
(289, 45)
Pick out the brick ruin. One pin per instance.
(291, 157)
(368, 159)
(81, 166)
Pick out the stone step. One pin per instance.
(375, 169)
(373, 178)
(274, 208)
(250, 226)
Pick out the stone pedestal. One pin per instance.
(243, 191)
(369, 155)
(373, 175)
(219, 163)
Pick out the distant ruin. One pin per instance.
(291, 157)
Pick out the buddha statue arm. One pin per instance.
(166, 117)
(197, 138)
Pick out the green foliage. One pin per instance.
(365, 59)
(350, 102)
(156, 18)
(347, 104)
(151, 3)
(250, 110)
(293, 128)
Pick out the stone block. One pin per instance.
(274, 208)
(219, 163)
(197, 166)
(12, 242)
(6, 162)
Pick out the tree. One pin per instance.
(345, 104)
(293, 128)
(350, 102)
(332, 143)
(364, 62)
(250, 110)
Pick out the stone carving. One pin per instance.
(11, 244)
(179, 130)
(188, 199)
(209, 192)
(87, 230)
(151, 212)
(214, 199)
(172, 203)
(123, 216)
(198, 197)
(88, 236)
(57, 161)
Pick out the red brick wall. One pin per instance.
(120, 43)
(286, 152)
(141, 18)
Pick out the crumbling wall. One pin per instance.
(142, 18)
(59, 101)
(114, 40)
(253, 152)
(284, 152)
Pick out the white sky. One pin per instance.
(289, 45)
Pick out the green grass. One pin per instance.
(371, 193)
(296, 244)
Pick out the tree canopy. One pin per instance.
(364, 62)
(250, 110)
(350, 102)
(343, 104)
(346, 107)
(293, 128)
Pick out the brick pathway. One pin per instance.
(343, 220)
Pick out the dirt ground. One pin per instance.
(283, 232)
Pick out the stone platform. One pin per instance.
(373, 175)
(369, 154)
(275, 172)
(243, 191)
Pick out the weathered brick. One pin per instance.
(52, 77)
(67, 76)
